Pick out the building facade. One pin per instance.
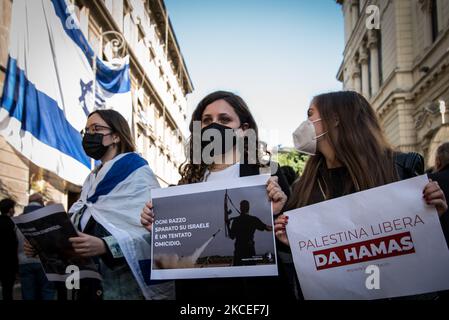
(401, 67)
(160, 84)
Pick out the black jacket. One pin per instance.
(254, 169)
(409, 165)
(442, 177)
(32, 207)
(8, 246)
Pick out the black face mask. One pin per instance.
(222, 131)
(93, 145)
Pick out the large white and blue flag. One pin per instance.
(49, 84)
(113, 196)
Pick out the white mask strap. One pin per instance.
(324, 133)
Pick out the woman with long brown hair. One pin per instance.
(348, 153)
(222, 110)
(350, 146)
(227, 114)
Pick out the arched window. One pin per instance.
(434, 19)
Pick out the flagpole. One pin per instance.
(94, 84)
(94, 68)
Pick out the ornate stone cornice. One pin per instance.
(372, 38)
(432, 78)
(425, 5)
(363, 54)
(425, 114)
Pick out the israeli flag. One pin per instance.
(49, 86)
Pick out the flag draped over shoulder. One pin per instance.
(48, 89)
(114, 197)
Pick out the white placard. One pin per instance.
(192, 237)
(334, 243)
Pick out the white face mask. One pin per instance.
(305, 138)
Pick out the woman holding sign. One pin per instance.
(348, 153)
(235, 155)
(107, 215)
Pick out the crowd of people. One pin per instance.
(347, 150)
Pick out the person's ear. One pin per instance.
(244, 126)
(336, 121)
(115, 138)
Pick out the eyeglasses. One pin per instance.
(95, 128)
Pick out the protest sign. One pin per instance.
(213, 229)
(378, 243)
(48, 230)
